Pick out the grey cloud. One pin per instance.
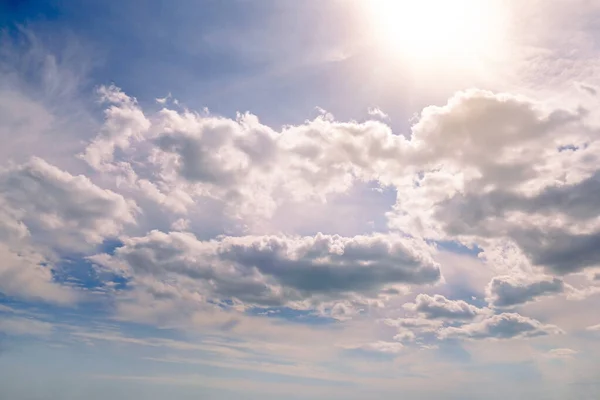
(506, 291)
(579, 201)
(560, 252)
(492, 168)
(271, 270)
(588, 88)
(333, 263)
(557, 249)
(439, 307)
(501, 326)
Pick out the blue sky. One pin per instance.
(339, 199)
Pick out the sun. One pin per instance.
(450, 31)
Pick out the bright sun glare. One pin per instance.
(454, 31)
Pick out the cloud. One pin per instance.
(247, 165)
(562, 353)
(439, 307)
(556, 228)
(384, 347)
(271, 270)
(507, 291)
(124, 122)
(60, 209)
(589, 89)
(420, 323)
(42, 110)
(376, 112)
(25, 274)
(537, 191)
(501, 326)
(25, 326)
(593, 328)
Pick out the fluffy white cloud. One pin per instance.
(26, 274)
(247, 165)
(496, 167)
(439, 307)
(124, 122)
(536, 191)
(501, 326)
(376, 112)
(533, 196)
(56, 208)
(506, 291)
(271, 270)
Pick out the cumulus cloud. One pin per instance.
(536, 193)
(507, 291)
(242, 162)
(497, 167)
(25, 274)
(532, 192)
(124, 122)
(439, 307)
(501, 326)
(271, 270)
(54, 207)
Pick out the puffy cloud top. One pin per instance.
(272, 270)
(59, 208)
(438, 307)
(501, 326)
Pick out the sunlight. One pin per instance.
(454, 31)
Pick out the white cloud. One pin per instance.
(497, 168)
(439, 307)
(271, 270)
(376, 112)
(125, 122)
(385, 347)
(42, 111)
(515, 176)
(501, 326)
(60, 209)
(562, 353)
(593, 328)
(249, 166)
(26, 274)
(25, 326)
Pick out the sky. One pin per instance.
(317, 199)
